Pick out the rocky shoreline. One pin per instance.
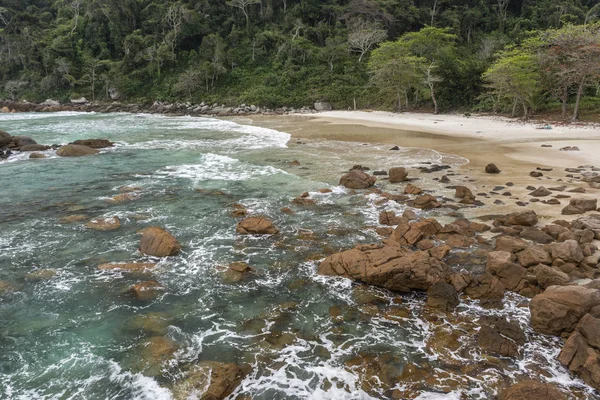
(555, 264)
(158, 107)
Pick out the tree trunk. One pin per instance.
(406, 98)
(435, 104)
(525, 111)
(399, 102)
(514, 108)
(564, 98)
(579, 93)
(362, 53)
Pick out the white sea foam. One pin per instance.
(214, 167)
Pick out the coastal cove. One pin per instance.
(255, 296)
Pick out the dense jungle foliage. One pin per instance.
(514, 56)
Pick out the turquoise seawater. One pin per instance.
(77, 335)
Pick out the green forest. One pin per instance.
(519, 57)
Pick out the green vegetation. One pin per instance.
(513, 56)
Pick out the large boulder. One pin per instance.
(209, 380)
(426, 202)
(500, 264)
(510, 244)
(523, 218)
(532, 390)
(591, 222)
(256, 226)
(391, 267)
(559, 308)
(75, 150)
(94, 143)
(158, 242)
(357, 179)
(20, 141)
(410, 233)
(323, 106)
(442, 296)
(5, 139)
(34, 147)
(397, 174)
(462, 192)
(581, 352)
(567, 251)
(585, 204)
(533, 255)
(547, 276)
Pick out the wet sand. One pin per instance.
(515, 147)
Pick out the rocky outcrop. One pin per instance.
(559, 308)
(209, 380)
(357, 179)
(20, 141)
(408, 234)
(94, 143)
(591, 222)
(501, 265)
(158, 242)
(256, 226)
(442, 296)
(426, 202)
(581, 352)
(397, 174)
(75, 150)
(523, 218)
(566, 251)
(532, 390)
(391, 267)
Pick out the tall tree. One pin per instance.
(364, 35)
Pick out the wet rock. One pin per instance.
(442, 296)
(463, 192)
(70, 219)
(158, 242)
(94, 143)
(5, 139)
(152, 354)
(501, 337)
(34, 147)
(127, 267)
(237, 272)
(530, 390)
(390, 267)
(536, 235)
(209, 380)
(581, 351)
(412, 189)
(287, 210)
(492, 169)
(535, 174)
(20, 141)
(146, 291)
(395, 148)
(37, 156)
(104, 224)
(409, 215)
(357, 179)
(152, 323)
(426, 202)
(398, 174)
(591, 222)
(256, 226)
(486, 288)
(444, 179)
(74, 150)
(559, 308)
(411, 233)
(380, 173)
(390, 218)
(40, 275)
(459, 241)
(440, 252)
(540, 192)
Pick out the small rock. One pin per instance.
(492, 169)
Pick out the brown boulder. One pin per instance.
(37, 155)
(20, 141)
(158, 242)
(94, 143)
(34, 147)
(499, 336)
(486, 288)
(357, 179)
(492, 169)
(256, 226)
(533, 255)
(532, 390)
(5, 139)
(510, 244)
(209, 380)
(567, 251)
(462, 192)
(426, 202)
(442, 296)
(559, 308)
(412, 189)
(390, 218)
(499, 263)
(572, 210)
(398, 174)
(585, 204)
(390, 267)
(74, 150)
(540, 192)
(547, 276)
(581, 351)
(524, 218)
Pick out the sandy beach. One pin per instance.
(513, 145)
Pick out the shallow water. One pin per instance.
(76, 335)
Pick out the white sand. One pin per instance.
(523, 138)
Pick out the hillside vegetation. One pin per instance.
(517, 57)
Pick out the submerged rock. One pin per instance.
(442, 296)
(256, 226)
(146, 290)
(390, 267)
(104, 224)
(158, 242)
(127, 267)
(94, 143)
(74, 150)
(209, 380)
(532, 390)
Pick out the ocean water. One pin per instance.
(77, 335)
